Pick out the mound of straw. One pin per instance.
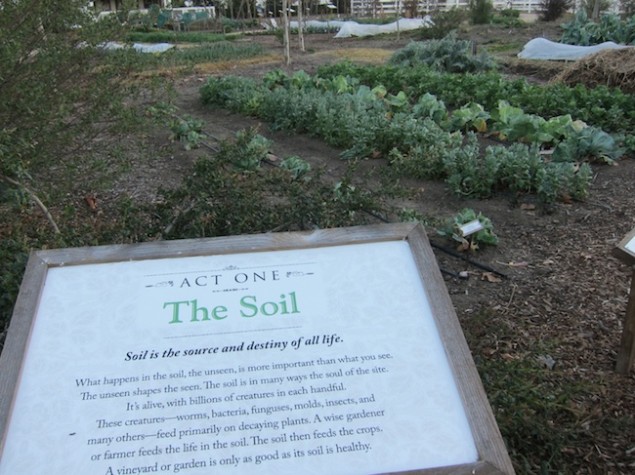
(612, 68)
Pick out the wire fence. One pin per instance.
(376, 8)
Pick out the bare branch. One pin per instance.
(35, 198)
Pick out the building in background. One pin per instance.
(114, 5)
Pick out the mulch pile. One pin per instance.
(612, 68)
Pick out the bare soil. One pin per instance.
(559, 297)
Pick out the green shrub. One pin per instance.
(443, 23)
(446, 55)
(218, 199)
(508, 18)
(481, 11)
(581, 30)
(55, 84)
(551, 10)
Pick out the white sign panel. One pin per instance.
(319, 360)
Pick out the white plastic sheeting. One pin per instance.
(542, 48)
(352, 28)
(141, 47)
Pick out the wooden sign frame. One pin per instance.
(625, 251)
(622, 251)
(492, 455)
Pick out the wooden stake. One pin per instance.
(285, 21)
(300, 29)
(626, 353)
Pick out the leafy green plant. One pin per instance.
(519, 165)
(448, 54)
(608, 108)
(418, 140)
(628, 142)
(583, 31)
(247, 151)
(562, 180)
(470, 117)
(485, 236)
(468, 172)
(514, 125)
(296, 165)
(188, 131)
(238, 94)
(428, 106)
(410, 215)
(424, 153)
(588, 143)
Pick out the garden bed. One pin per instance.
(543, 323)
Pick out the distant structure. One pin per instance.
(374, 8)
(356, 8)
(114, 5)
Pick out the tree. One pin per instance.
(551, 10)
(52, 89)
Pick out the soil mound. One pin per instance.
(613, 68)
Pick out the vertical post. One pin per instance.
(626, 353)
(595, 16)
(285, 21)
(300, 26)
(398, 19)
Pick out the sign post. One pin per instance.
(625, 251)
(334, 351)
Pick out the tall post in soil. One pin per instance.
(595, 15)
(398, 18)
(626, 352)
(625, 251)
(285, 21)
(300, 27)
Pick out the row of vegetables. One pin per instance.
(423, 136)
